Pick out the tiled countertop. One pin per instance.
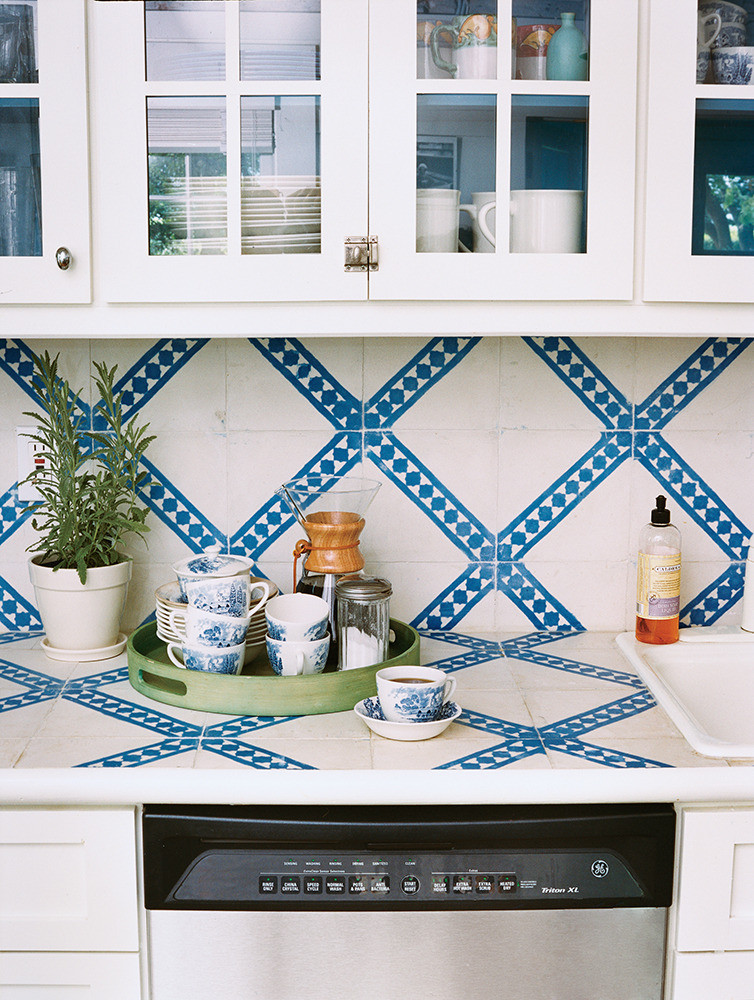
(546, 717)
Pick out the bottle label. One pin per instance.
(658, 594)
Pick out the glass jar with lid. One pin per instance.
(363, 616)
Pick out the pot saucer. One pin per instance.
(370, 713)
(82, 655)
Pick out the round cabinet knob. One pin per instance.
(63, 258)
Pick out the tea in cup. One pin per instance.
(413, 694)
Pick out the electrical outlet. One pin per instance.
(30, 458)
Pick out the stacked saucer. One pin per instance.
(169, 599)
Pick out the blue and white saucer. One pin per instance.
(370, 713)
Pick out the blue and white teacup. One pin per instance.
(206, 628)
(210, 565)
(211, 659)
(734, 66)
(229, 595)
(297, 617)
(289, 657)
(413, 694)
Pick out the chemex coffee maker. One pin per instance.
(331, 512)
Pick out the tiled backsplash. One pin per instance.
(517, 472)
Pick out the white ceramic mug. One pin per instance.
(483, 213)
(413, 694)
(437, 220)
(546, 221)
(474, 47)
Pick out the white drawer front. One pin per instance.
(716, 885)
(68, 880)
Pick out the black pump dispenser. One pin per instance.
(660, 515)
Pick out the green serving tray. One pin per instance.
(257, 690)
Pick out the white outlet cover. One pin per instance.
(27, 493)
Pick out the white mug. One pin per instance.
(437, 220)
(705, 38)
(546, 221)
(482, 211)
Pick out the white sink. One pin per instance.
(705, 684)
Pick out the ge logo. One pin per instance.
(600, 869)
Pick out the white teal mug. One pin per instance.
(483, 213)
(546, 221)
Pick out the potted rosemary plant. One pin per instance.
(88, 502)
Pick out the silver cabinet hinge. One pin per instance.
(361, 254)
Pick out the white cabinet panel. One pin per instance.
(69, 977)
(238, 164)
(44, 167)
(716, 881)
(713, 977)
(68, 880)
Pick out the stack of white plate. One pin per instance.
(168, 599)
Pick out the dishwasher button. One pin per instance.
(356, 884)
(462, 884)
(440, 884)
(290, 884)
(507, 883)
(485, 884)
(381, 884)
(410, 885)
(312, 885)
(268, 884)
(335, 884)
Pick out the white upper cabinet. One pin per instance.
(535, 138)
(44, 193)
(230, 148)
(700, 169)
(241, 146)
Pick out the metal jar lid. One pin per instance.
(362, 588)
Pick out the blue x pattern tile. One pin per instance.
(159, 736)
(365, 430)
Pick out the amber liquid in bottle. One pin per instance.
(658, 631)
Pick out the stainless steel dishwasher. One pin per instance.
(393, 902)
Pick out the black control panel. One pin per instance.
(407, 857)
(317, 876)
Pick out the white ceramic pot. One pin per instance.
(81, 617)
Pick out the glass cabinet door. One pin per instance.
(502, 148)
(43, 152)
(233, 148)
(700, 156)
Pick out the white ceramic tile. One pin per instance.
(260, 398)
(492, 675)
(74, 362)
(538, 677)
(427, 754)
(334, 754)
(668, 751)
(465, 397)
(726, 402)
(552, 706)
(73, 750)
(534, 397)
(10, 751)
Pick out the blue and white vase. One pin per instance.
(567, 52)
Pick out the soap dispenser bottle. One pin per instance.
(658, 590)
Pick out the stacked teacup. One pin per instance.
(297, 638)
(732, 59)
(218, 591)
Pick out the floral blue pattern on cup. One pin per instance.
(289, 658)
(412, 693)
(297, 617)
(373, 709)
(733, 66)
(210, 659)
(205, 628)
(225, 596)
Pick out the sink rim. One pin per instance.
(692, 729)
